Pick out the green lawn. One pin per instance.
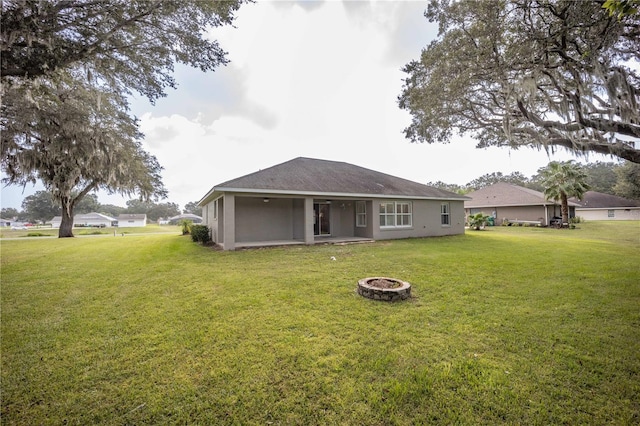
(47, 231)
(505, 326)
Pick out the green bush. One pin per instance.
(186, 226)
(478, 221)
(200, 234)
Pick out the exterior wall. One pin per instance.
(518, 213)
(343, 219)
(254, 220)
(367, 231)
(130, 223)
(426, 220)
(90, 221)
(213, 219)
(298, 218)
(257, 220)
(603, 214)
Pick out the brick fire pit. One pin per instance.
(383, 288)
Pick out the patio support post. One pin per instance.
(229, 222)
(308, 220)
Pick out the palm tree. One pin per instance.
(563, 180)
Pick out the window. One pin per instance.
(361, 214)
(445, 214)
(611, 213)
(395, 215)
(215, 210)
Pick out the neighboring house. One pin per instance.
(306, 201)
(87, 220)
(175, 220)
(514, 203)
(5, 223)
(129, 220)
(600, 206)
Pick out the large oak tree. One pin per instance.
(67, 67)
(75, 137)
(132, 45)
(532, 73)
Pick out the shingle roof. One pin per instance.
(93, 216)
(595, 200)
(312, 176)
(185, 216)
(132, 216)
(506, 194)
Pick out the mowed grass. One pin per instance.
(505, 326)
(47, 231)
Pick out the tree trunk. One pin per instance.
(564, 207)
(66, 226)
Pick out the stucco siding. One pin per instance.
(131, 223)
(603, 214)
(516, 213)
(257, 220)
(367, 230)
(343, 219)
(426, 220)
(298, 218)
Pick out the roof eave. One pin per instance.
(211, 195)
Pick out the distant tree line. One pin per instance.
(41, 207)
(622, 180)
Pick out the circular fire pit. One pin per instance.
(383, 288)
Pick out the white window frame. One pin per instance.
(361, 214)
(611, 213)
(445, 214)
(393, 212)
(215, 209)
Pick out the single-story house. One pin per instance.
(308, 201)
(5, 222)
(87, 220)
(514, 204)
(600, 206)
(175, 220)
(129, 220)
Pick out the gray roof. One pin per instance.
(506, 194)
(87, 216)
(93, 216)
(322, 177)
(132, 216)
(599, 200)
(185, 216)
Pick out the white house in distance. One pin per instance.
(89, 220)
(128, 220)
(599, 206)
(309, 201)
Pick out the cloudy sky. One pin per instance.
(311, 79)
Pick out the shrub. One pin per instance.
(186, 226)
(200, 234)
(478, 220)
